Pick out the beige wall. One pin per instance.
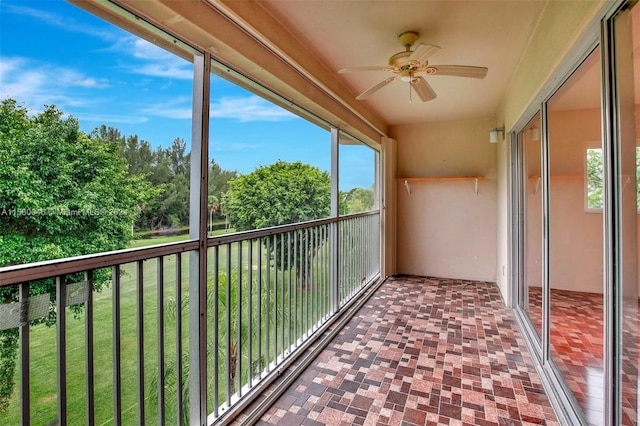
(443, 228)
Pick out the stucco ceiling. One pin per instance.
(491, 34)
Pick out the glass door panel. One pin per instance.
(626, 156)
(576, 306)
(531, 192)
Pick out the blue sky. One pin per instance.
(52, 52)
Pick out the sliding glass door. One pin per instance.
(531, 198)
(576, 234)
(575, 223)
(622, 156)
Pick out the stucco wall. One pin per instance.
(443, 228)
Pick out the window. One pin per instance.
(594, 184)
(124, 107)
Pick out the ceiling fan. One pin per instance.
(408, 63)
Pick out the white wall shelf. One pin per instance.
(407, 180)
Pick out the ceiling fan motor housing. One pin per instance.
(407, 38)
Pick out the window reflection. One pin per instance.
(357, 176)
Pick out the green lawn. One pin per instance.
(43, 339)
(171, 239)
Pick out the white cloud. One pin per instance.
(37, 84)
(153, 60)
(176, 107)
(59, 21)
(69, 77)
(112, 118)
(164, 70)
(243, 109)
(142, 49)
(248, 108)
(158, 62)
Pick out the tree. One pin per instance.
(219, 183)
(356, 200)
(595, 185)
(213, 205)
(179, 157)
(228, 301)
(278, 194)
(62, 193)
(139, 155)
(166, 169)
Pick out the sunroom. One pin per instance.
(523, 178)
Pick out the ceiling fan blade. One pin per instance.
(458, 71)
(423, 51)
(423, 89)
(374, 88)
(373, 68)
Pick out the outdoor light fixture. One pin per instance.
(493, 134)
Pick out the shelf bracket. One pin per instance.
(406, 185)
(476, 185)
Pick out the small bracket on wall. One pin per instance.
(538, 179)
(406, 185)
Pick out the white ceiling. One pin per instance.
(354, 33)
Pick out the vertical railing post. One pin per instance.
(117, 358)
(25, 379)
(198, 231)
(61, 337)
(335, 213)
(89, 338)
(161, 369)
(179, 383)
(140, 339)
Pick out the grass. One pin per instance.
(43, 359)
(171, 239)
(43, 353)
